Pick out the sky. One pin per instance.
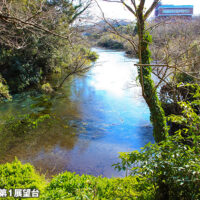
(117, 10)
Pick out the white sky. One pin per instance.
(118, 11)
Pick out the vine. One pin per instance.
(158, 118)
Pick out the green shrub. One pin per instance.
(92, 56)
(15, 175)
(4, 92)
(110, 42)
(174, 168)
(173, 165)
(47, 88)
(72, 186)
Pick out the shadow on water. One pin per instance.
(93, 119)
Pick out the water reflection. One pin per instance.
(111, 75)
(99, 116)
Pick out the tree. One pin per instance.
(36, 16)
(176, 43)
(36, 37)
(149, 93)
(148, 88)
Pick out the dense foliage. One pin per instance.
(172, 167)
(72, 186)
(16, 175)
(42, 51)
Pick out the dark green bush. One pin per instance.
(111, 44)
(174, 168)
(23, 68)
(173, 165)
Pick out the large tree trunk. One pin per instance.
(149, 93)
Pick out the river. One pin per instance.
(102, 113)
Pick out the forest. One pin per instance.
(70, 125)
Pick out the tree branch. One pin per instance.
(148, 12)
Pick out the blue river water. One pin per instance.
(103, 113)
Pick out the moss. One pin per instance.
(158, 118)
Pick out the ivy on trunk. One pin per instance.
(149, 93)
